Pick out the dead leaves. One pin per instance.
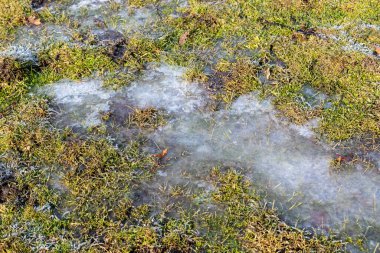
(377, 51)
(33, 20)
(162, 154)
(183, 38)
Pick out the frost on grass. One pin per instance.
(164, 88)
(285, 161)
(79, 104)
(30, 40)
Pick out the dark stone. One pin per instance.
(110, 38)
(114, 41)
(37, 3)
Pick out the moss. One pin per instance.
(68, 189)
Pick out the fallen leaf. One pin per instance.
(377, 51)
(34, 20)
(162, 154)
(183, 38)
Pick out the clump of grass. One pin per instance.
(141, 3)
(12, 87)
(12, 14)
(247, 225)
(11, 70)
(62, 61)
(349, 78)
(147, 118)
(140, 51)
(117, 79)
(196, 74)
(237, 78)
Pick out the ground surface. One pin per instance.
(189, 126)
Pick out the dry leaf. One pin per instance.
(34, 21)
(162, 154)
(377, 51)
(183, 38)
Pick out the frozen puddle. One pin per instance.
(282, 160)
(79, 104)
(97, 15)
(30, 40)
(91, 4)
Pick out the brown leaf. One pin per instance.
(33, 20)
(183, 38)
(162, 154)
(377, 51)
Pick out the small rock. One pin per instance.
(114, 41)
(37, 3)
(110, 38)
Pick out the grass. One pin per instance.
(12, 14)
(283, 32)
(66, 189)
(12, 73)
(62, 61)
(70, 192)
(148, 118)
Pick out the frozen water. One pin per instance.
(283, 160)
(164, 88)
(91, 4)
(30, 40)
(80, 104)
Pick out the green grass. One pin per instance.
(68, 189)
(13, 13)
(62, 61)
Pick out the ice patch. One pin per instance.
(281, 159)
(30, 40)
(164, 88)
(80, 104)
(91, 4)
